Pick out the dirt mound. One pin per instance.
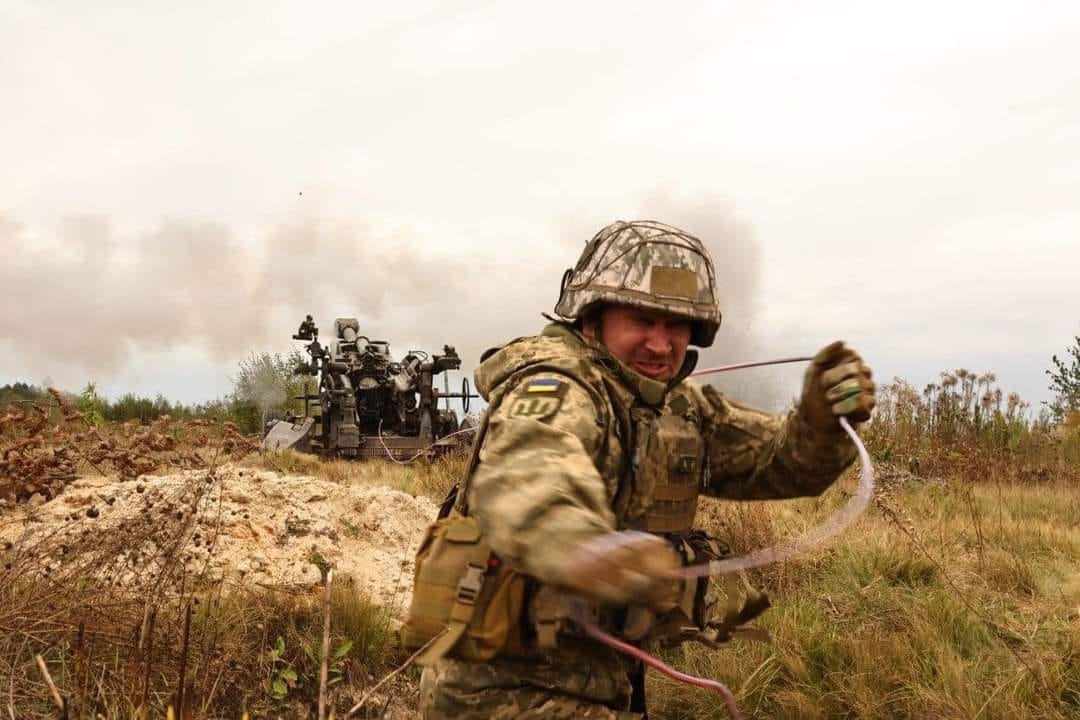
(251, 526)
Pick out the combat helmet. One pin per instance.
(645, 264)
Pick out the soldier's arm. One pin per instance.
(757, 456)
(537, 493)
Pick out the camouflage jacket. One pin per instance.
(574, 446)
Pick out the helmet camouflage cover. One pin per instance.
(649, 265)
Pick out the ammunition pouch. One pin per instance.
(467, 604)
(699, 617)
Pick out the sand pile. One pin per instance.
(250, 526)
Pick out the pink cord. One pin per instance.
(833, 525)
(740, 366)
(837, 522)
(657, 664)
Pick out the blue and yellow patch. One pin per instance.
(543, 385)
(538, 399)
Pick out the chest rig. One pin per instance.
(665, 471)
(664, 465)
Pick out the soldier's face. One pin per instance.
(649, 342)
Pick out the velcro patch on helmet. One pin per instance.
(673, 282)
(538, 399)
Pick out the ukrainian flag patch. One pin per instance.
(538, 399)
(543, 385)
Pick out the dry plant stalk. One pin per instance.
(43, 444)
(325, 662)
(105, 574)
(60, 704)
(182, 682)
(391, 675)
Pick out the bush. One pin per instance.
(1065, 383)
(966, 426)
(263, 383)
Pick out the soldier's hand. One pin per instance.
(837, 383)
(624, 568)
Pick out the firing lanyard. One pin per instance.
(833, 525)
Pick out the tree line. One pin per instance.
(263, 384)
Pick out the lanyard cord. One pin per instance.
(740, 366)
(593, 631)
(833, 525)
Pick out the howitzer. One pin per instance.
(367, 402)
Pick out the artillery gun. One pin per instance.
(368, 404)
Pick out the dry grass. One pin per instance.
(430, 478)
(964, 605)
(967, 427)
(958, 596)
(107, 611)
(103, 669)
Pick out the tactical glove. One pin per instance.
(624, 568)
(837, 383)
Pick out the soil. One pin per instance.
(252, 526)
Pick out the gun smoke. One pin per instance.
(84, 298)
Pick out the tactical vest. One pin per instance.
(653, 457)
(664, 474)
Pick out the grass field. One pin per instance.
(953, 602)
(957, 595)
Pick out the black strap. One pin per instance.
(449, 501)
(460, 492)
(637, 691)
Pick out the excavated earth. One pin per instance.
(250, 526)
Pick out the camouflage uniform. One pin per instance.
(555, 471)
(577, 445)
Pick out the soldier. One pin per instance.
(596, 448)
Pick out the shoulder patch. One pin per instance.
(538, 399)
(544, 385)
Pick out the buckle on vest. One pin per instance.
(468, 589)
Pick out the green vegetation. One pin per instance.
(264, 383)
(1065, 383)
(20, 392)
(129, 407)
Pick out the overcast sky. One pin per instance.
(181, 182)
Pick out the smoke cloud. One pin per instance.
(84, 297)
(89, 296)
(737, 256)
